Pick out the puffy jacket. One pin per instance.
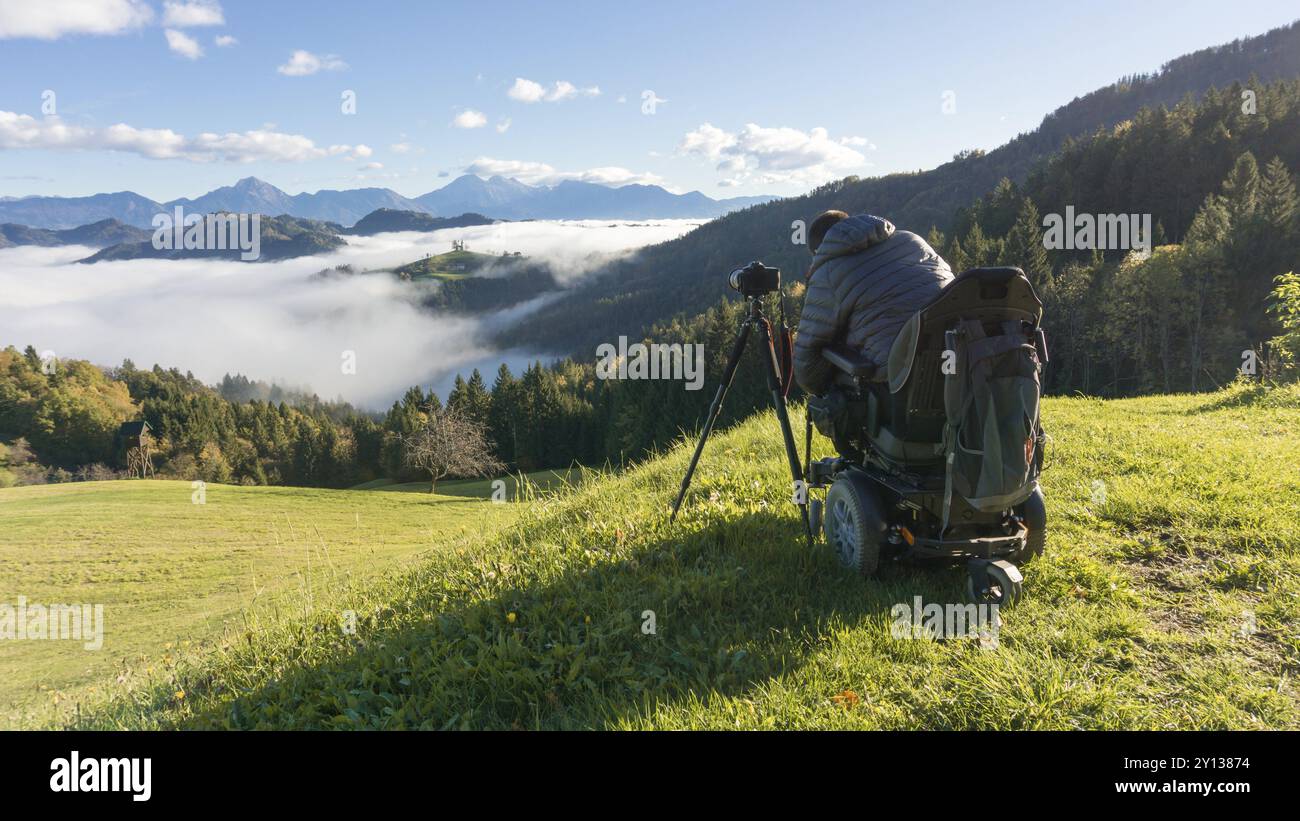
(865, 282)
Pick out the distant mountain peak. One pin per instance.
(499, 197)
(508, 198)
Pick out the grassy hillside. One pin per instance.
(171, 573)
(452, 265)
(1171, 600)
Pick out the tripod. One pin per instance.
(754, 318)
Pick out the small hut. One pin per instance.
(139, 448)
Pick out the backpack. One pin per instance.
(993, 437)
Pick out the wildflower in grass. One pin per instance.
(846, 699)
(180, 694)
(510, 617)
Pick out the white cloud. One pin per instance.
(775, 155)
(52, 19)
(192, 13)
(528, 91)
(301, 63)
(51, 133)
(372, 166)
(707, 140)
(539, 173)
(469, 118)
(183, 45)
(225, 41)
(503, 126)
(401, 148)
(562, 90)
(270, 321)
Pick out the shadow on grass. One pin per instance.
(736, 603)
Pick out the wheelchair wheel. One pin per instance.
(1034, 513)
(855, 524)
(996, 582)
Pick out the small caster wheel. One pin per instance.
(1033, 512)
(815, 510)
(993, 582)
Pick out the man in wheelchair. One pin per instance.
(865, 281)
(928, 386)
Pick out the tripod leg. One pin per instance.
(728, 374)
(782, 416)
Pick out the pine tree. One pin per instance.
(456, 399)
(957, 258)
(935, 238)
(1277, 198)
(1241, 190)
(977, 246)
(1024, 245)
(477, 401)
(999, 211)
(504, 414)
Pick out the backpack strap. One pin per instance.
(958, 397)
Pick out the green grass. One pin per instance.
(538, 481)
(172, 574)
(1172, 602)
(452, 265)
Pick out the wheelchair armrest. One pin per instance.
(849, 361)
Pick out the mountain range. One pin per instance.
(498, 197)
(506, 198)
(282, 236)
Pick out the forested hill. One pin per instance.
(687, 274)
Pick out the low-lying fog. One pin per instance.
(270, 321)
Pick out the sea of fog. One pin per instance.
(274, 322)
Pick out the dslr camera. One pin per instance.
(755, 279)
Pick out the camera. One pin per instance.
(755, 279)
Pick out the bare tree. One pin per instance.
(450, 444)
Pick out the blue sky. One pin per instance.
(757, 97)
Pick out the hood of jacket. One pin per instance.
(849, 236)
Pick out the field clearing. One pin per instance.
(171, 573)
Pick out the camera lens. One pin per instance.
(736, 278)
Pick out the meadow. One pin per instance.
(173, 569)
(1168, 598)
